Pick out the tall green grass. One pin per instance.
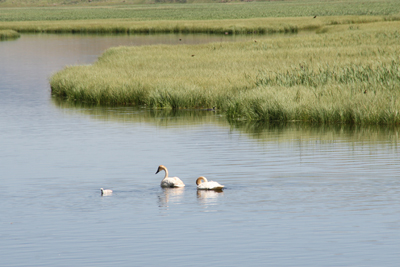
(371, 75)
(361, 94)
(346, 76)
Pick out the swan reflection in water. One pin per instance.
(172, 195)
(209, 196)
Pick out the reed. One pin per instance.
(347, 75)
(240, 26)
(116, 26)
(8, 35)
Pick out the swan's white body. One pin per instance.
(207, 185)
(169, 181)
(105, 192)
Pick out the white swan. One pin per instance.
(207, 185)
(105, 192)
(169, 181)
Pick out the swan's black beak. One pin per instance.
(157, 171)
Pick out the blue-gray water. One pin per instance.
(295, 195)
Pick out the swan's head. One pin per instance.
(161, 168)
(201, 178)
(101, 189)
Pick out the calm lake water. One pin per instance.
(295, 195)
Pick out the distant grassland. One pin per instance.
(8, 34)
(349, 74)
(208, 11)
(238, 18)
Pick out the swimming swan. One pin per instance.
(207, 185)
(169, 181)
(105, 192)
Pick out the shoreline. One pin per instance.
(261, 26)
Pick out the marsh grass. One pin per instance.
(117, 26)
(373, 74)
(349, 76)
(236, 26)
(8, 35)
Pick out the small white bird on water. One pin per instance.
(106, 192)
(207, 185)
(169, 181)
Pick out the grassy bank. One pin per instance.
(349, 74)
(245, 26)
(8, 35)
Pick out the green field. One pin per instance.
(209, 11)
(215, 11)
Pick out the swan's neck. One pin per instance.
(166, 174)
(198, 181)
